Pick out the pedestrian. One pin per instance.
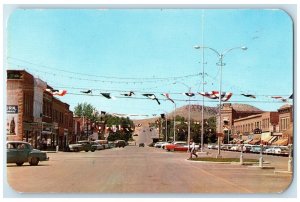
(193, 149)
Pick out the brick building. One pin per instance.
(231, 112)
(30, 111)
(251, 125)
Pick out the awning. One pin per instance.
(266, 136)
(255, 141)
(281, 142)
(272, 139)
(266, 140)
(247, 141)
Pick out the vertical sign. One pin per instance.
(12, 120)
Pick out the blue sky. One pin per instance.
(77, 49)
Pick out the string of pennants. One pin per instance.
(225, 96)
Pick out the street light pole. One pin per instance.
(166, 127)
(174, 121)
(221, 64)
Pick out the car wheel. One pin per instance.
(86, 150)
(92, 150)
(33, 161)
(19, 163)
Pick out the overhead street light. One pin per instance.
(221, 64)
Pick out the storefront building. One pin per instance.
(30, 113)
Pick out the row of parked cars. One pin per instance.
(19, 152)
(92, 146)
(174, 146)
(266, 149)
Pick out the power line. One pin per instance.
(106, 77)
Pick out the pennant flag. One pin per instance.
(88, 91)
(56, 92)
(107, 95)
(280, 98)
(292, 96)
(168, 97)
(226, 97)
(211, 95)
(189, 94)
(277, 97)
(152, 97)
(128, 94)
(215, 95)
(248, 95)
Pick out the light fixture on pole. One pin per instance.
(221, 64)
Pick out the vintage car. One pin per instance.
(158, 144)
(120, 143)
(83, 145)
(19, 152)
(179, 146)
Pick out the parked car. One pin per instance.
(158, 144)
(104, 143)
(83, 145)
(19, 152)
(255, 149)
(76, 147)
(273, 150)
(141, 145)
(120, 143)
(211, 146)
(234, 148)
(97, 146)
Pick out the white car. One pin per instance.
(158, 144)
(273, 150)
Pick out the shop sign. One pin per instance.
(12, 109)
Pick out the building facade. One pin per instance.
(32, 112)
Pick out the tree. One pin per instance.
(86, 110)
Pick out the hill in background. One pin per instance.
(196, 112)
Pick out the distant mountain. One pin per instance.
(196, 111)
(184, 112)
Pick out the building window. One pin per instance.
(284, 123)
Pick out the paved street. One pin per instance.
(148, 170)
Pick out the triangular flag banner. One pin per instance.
(248, 95)
(211, 95)
(107, 95)
(280, 98)
(57, 92)
(128, 94)
(215, 95)
(152, 97)
(168, 97)
(88, 91)
(189, 94)
(292, 96)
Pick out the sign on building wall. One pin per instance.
(12, 120)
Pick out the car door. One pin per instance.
(11, 153)
(23, 152)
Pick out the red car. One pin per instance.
(177, 146)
